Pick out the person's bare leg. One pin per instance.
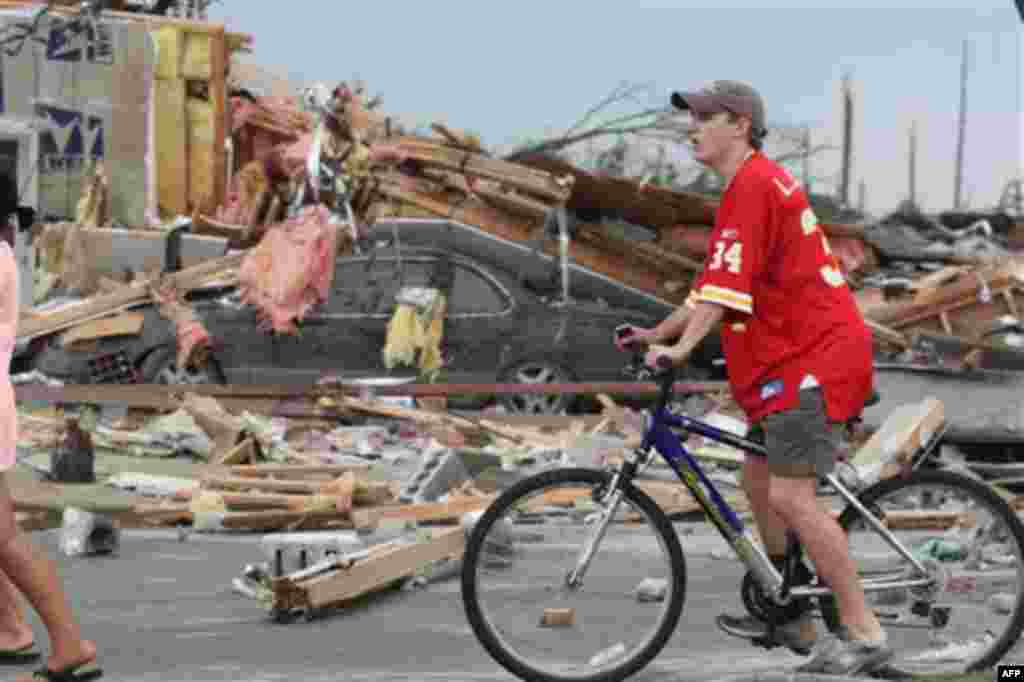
(15, 632)
(795, 500)
(757, 484)
(36, 577)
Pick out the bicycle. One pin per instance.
(559, 520)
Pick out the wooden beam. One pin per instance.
(371, 574)
(294, 471)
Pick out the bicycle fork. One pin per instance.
(611, 500)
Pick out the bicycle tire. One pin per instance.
(472, 556)
(951, 480)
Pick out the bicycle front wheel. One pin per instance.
(971, 542)
(516, 589)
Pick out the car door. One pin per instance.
(481, 316)
(245, 353)
(349, 331)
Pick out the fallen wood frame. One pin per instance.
(130, 295)
(385, 565)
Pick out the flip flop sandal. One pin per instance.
(75, 673)
(26, 654)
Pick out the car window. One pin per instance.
(472, 293)
(365, 287)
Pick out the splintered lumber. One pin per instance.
(129, 324)
(509, 201)
(904, 432)
(436, 511)
(654, 207)
(928, 520)
(430, 417)
(370, 492)
(964, 298)
(270, 520)
(129, 295)
(892, 336)
(522, 178)
(457, 138)
(293, 471)
(647, 252)
(376, 572)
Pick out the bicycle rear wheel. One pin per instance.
(971, 541)
(515, 589)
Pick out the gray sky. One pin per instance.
(512, 71)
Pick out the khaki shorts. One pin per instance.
(802, 441)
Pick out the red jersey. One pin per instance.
(790, 317)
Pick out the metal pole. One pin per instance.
(958, 186)
(913, 163)
(844, 188)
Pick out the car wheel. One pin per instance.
(161, 367)
(537, 372)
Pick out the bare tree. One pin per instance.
(649, 121)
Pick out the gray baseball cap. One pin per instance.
(738, 98)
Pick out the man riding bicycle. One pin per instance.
(798, 355)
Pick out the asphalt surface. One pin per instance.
(163, 609)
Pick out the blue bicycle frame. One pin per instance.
(658, 435)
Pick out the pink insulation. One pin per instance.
(291, 269)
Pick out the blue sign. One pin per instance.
(78, 41)
(70, 140)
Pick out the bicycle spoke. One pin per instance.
(971, 547)
(543, 628)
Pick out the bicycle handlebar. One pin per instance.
(664, 375)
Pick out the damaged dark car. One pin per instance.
(507, 320)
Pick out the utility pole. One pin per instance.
(807, 159)
(958, 186)
(844, 187)
(862, 202)
(913, 164)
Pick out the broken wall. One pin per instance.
(87, 91)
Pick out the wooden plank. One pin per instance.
(268, 520)
(890, 335)
(137, 292)
(904, 431)
(436, 511)
(218, 89)
(269, 485)
(124, 324)
(294, 471)
(380, 570)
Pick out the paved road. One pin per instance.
(163, 610)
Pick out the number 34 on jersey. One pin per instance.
(729, 254)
